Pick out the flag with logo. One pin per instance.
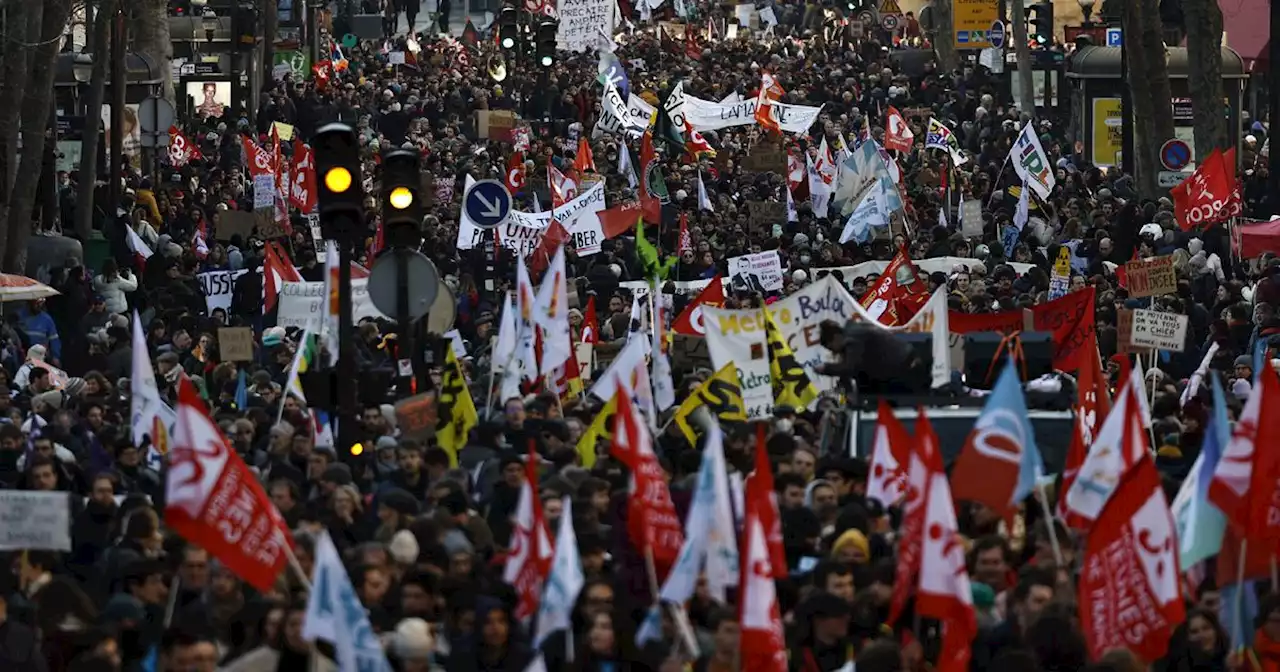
(214, 501)
(1243, 486)
(652, 523)
(911, 532)
(689, 321)
(304, 359)
(770, 92)
(564, 583)
(1032, 163)
(336, 614)
(1000, 462)
(302, 178)
(528, 559)
(721, 395)
(1109, 459)
(762, 643)
(456, 411)
(1199, 523)
(601, 428)
(551, 315)
(890, 456)
(897, 134)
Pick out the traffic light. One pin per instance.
(507, 34)
(402, 198)
(1040, 28)
(341, 193)
(546, 51)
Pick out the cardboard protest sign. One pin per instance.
(1166, 331)
(235, 344)
(1150, 277)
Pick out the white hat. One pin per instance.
(412, 639)
(404, 547)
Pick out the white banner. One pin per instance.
(582, 22)
(302, 303)
(705, 115)
(37, 521)
(760, 272)
(738, 336)
(641, 111)
(217, 287)
(523, 231)
(615, 115)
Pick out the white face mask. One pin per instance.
(782, 425)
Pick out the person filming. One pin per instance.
(876, 358)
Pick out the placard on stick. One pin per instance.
(416, 416)
(766, 158)
(1166, 331)
(1150, 277)
(1124, 333)
(235, 344)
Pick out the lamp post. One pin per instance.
(1086, 6)
(314, 8)
(82, 70)
(209, 21)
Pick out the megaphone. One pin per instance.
(497, 68)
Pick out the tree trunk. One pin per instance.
(98, 39)
(944, 40)
(1204, 64)
(22, 27)
(1026, 91)
(1157, 71)
(1148, 79)
(36, 107)
(149, 34)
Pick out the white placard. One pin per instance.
(301, 304)
(1165, 331)
(217, 287)
(705, 115)
(582, 22)
(36, 521)
(760, 272)
(264, 191)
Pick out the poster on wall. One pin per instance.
(131, 132)
(211, 98)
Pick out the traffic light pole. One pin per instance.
(348, 374)
(405, 347)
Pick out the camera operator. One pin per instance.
(877, 359)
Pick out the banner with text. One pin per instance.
(705, 115)
(301, 304)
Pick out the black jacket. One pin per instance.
(20, 649)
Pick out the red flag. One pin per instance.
(759, 493)
(277, 269)
(770, 91)
(651, 516)
(585, 160)
(181, 151)
(944, 591)
(1129, 591)
(1070, 318)
(890, 457)
(563, 189)
(1202, 199)
(911, 533)
(258, 159)
(1093, 403)
(897, 134)
(1244, 484)
(515, 173)
(302, 186)
(761, 645)
(620, 219)
(686, 242)
(691, 48)
(320, 71)
(590, 324)
(552, 239)
(689, 322)
(898, 293)
(528, 561)
(216, 503)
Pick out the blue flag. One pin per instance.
(242, 392)
(1001, 438)
(1239, 623)
(611, 70)
(1199, 523)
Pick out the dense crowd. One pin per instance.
(425, 533)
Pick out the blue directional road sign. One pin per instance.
(487, 204)
(996, 35)
(1115, 37)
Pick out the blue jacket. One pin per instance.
(41, 330)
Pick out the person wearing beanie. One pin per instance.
(412, 646)
(852, 547)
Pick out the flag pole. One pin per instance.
(297, 567)
(1049, 522)
(174, 586)
(652, 571)
(1237, 613)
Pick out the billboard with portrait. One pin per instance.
(210, 99)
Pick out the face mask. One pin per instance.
(783, 425)
(804, 258)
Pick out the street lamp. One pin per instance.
(82, 67)
(209, 21)
(1086, 6)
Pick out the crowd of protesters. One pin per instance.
(424, 542)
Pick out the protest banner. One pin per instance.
(971, 223)
(760, 272)
(1069, 318)
(35, 521)
(764, 214)
(217, 287)
(523, 231)
(235, 344)
(302, 304)
(583, 23)
(1165, 331)
(1124, 333)
(704, 115)
(766, 158)
(1150, 277)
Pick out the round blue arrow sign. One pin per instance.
(487, 204)
(996, 35)
(1175, 154)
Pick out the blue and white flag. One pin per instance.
(610, 70)
(335, 614)
(560, 592)
(1199, 523)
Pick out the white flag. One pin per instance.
(1031, 162)
(551, 314)
(1022, 212)
(703, 201)
(624, 166)
(560, 592)
(146, 405)
(335, 614)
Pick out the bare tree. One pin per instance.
(149, 34)
(1204, 74)
(944, 40)
(37, 108)
(270, 11)
(1148, 79)
(99, 42)
(22, 29)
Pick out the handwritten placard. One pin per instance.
(1166, 331)
(235, 344)
(416, 416)
(35, 520)
(1124, 333)
(766, 158)
(232, 223)
(1150, 277)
